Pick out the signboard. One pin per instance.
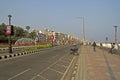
(8, 30)
(52, 37)
(42, 36)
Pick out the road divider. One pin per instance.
(18, 54)
(26, 50)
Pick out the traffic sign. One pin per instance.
(52, 37)
(8, 30)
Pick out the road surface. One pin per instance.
(48, 64)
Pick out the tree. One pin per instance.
(3, 36)
(19, 32)
(28, 27)
(32, 35)
(2, 29)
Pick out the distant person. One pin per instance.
(112, 47)
(94, 46)
(115, 46)
(101, 45)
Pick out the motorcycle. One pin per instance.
(74, 51)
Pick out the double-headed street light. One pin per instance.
(83, 29)
(83, 26)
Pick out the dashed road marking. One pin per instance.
(19, 74)
(67, 68)
(38, 75)
(73, 78)
(55, 70)
(74, 72)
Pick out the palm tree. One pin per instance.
(28, 27)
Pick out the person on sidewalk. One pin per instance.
(112, 47)
(94, 46)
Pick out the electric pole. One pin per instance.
(116, 38)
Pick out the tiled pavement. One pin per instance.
(99, 65)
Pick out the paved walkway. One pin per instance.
(99, 65)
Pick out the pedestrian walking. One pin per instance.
(101, 45)
(94, 46)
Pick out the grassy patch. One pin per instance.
(36, 47)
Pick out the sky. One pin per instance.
(62, 16)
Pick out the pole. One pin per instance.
(83, 22)
(83, 30)
(116, 39)
(52, 43)
(10, 46)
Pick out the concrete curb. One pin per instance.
(18, 54)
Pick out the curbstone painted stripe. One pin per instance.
(6, 56)
(2, 57)
(11, 55)
(18, 54)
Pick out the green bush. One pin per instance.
(36, 48)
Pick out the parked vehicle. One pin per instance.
(74, 50)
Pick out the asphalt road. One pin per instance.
(48, 64)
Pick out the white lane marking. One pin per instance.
(67, 69)
(74, 72)
(65, 61)
(55, 70)
(52, 64)
(38, 76)
(62, 65)
(76, 67)
(55, 56)
(73, 78)
(48, 68)
(18, 74)
(43, 77)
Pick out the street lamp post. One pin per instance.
(10, 46)
(83, 30)
(116, 38)
(83, 23)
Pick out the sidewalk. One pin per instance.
(99, 65)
